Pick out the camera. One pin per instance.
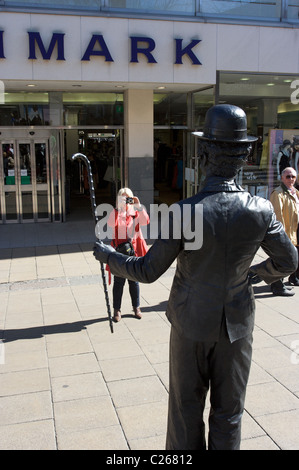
(129, 200)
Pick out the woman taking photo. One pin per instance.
(126, 220)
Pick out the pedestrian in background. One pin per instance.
(285, 200)
(126, 221)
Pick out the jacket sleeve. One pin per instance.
(147, 268)
(142, 217)
(283, 256)
(157, 260)
(277, 205)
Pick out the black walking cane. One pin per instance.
(80, 156)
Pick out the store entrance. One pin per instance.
(104, 149)
(169, 157)
(28, 181)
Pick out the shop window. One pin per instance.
(249, 8)
(166, 6)
(63, 4)
(293, 10)
(85, 109)
(170, 109)
(275, 10)
(202, 100)
(25, 109)
(270, 102)
(24, 115)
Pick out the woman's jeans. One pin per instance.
(118, 288)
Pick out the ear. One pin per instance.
(203, 162)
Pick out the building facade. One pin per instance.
(126, 83)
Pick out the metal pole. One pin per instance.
(81, 156)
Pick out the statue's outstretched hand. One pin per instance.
(101, 251)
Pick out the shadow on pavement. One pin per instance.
(40, 331)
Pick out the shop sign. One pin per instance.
(139, 45)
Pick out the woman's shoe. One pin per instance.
(137, 312)
(117, 315)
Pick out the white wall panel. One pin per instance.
(278, 50)
(16, 64)
(238, 46)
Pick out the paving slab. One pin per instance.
(84, 414)
(268, 398)
(37, 435)
(283, 428)
(126, 368)
(143, 421)
(25, 407)
(23, 382)
(107, 438)
(62, 366)
(137, 391)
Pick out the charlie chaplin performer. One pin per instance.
(211, 305)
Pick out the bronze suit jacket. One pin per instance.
(212, 280)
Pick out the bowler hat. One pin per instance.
(225, 123)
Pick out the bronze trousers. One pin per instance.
(196, 367)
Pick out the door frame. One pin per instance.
(32, 136)
(118, 173)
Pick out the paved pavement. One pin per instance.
(66, 382)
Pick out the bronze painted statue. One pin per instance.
(211, 305)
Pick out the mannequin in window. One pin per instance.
(283, 158)
(295, 156)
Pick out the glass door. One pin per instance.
(10, 200)
(42, 188)
(25, 188)
(24, 172)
